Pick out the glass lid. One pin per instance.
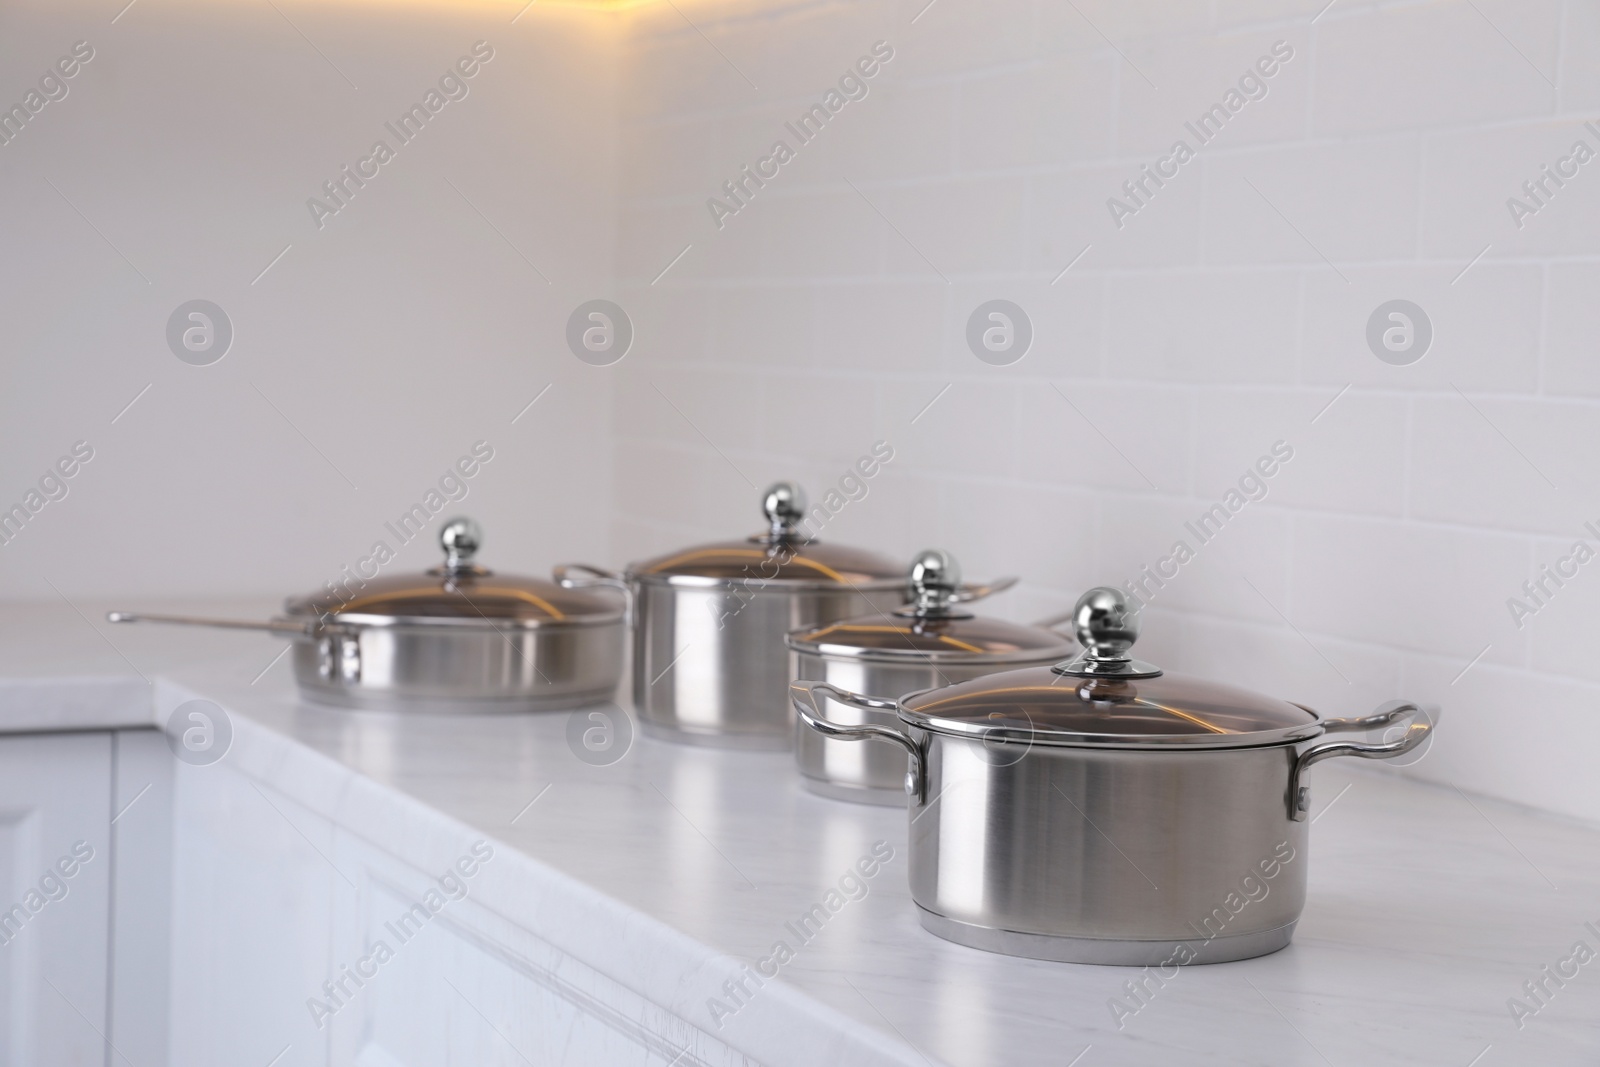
(458, 592)
(1104, 697)
(781, 554)
(931, 627)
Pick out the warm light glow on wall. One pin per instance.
(513, 9)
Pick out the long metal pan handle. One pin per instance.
(588, 576)
(804, 695)
(971, 591)
(1416, 732)
(291, 627)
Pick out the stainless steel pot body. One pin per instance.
(1106, 856)
(461, 668)
(709, 662)
(1139, 856)
(868, 774)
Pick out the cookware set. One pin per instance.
(1089, 809)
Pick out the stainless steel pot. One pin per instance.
(1100, 811)
(929, 642)
(457, 638)
(709, 665)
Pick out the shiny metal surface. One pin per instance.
(458, 638)
(828, 763)
(709, 663)
(778, 557)
(1122, 845)
(1106, 627)
(1224, 948)
(442, 670)
(1042, 707)
(1027, 842)
(1418, 728)
(1107, 698)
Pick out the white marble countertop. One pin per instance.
(1427, 908)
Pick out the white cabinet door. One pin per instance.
(455, 983)
(253, 888)
(55, 877)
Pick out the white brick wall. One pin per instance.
(1190, 340)
(831, 310)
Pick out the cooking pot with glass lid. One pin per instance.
(709, 664)
(458, 637)
(1103, 811)
(929, 642)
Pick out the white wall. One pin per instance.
(830, 311)
(393, 337)
(1216, 321)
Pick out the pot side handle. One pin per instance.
(1420, 726)
(587, 576)
(804, 696)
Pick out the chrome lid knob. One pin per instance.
(785, 507)
(1104, 624)
(460, 538)
(1106, 627)
(935, 581)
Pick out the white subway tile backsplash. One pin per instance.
(1580, 57)
(1347, 456)
(1522, 188)
(1071, 109)
(1190, 79)
(1072, 211)
(1482, 747)
(1560, 607)
(1233, 326)
(1178, 555)
(995, 529)
(1409, 66)
(824, 419)
(952, 427)
(887, 326)
(948, 38)
(1066, 316)
(826, 232)
(1094, 21)
(1485, 325)
(685, 158)
(949, 227)
(1572, 327)
(1509, 463)
(1228, 310)
(762, 326)
(1351, 201)
(1088, 432)
(682, 73)
(899, 131)
(1429, 589)
(1335, 677)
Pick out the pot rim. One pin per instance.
(336, 620)
(758, 586)
(913, 658)
(1153, 742)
